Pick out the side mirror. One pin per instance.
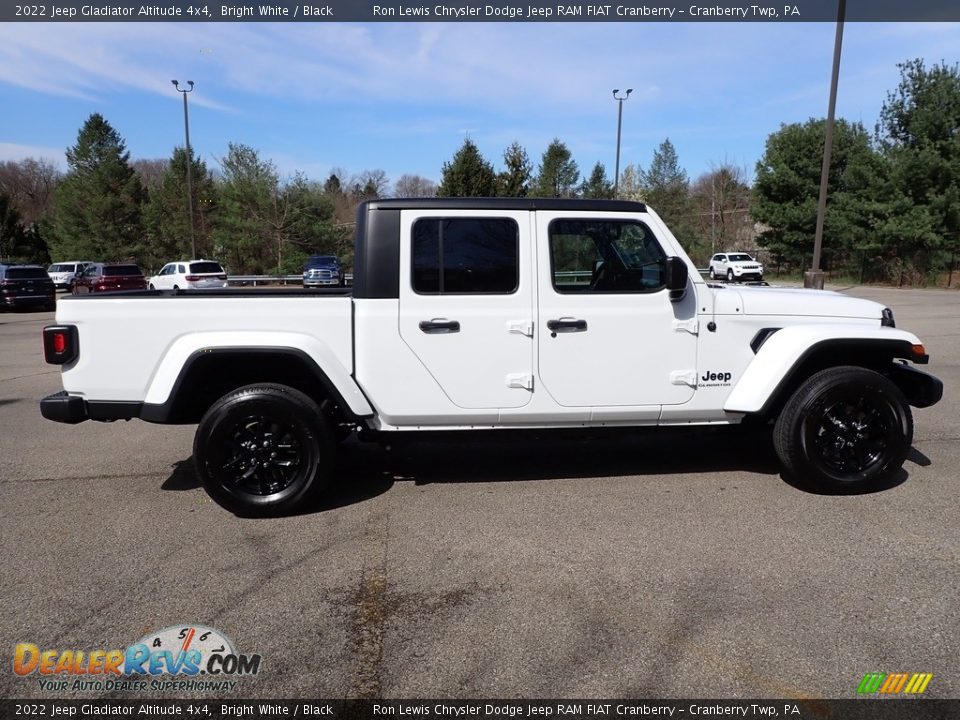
(676, 278)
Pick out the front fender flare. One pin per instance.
(786, 350)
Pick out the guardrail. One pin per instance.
(255, 280)
(572, 276)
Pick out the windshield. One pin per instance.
(740, 258)
(27, 273)
(60, 267)
(121, 270)
(321, 260)
(206, 267)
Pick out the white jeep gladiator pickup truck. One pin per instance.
(492, 313)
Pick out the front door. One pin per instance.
(466, 303)
(608, 333)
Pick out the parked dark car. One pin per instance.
(323, 270)
(103, 277)
(26, 286)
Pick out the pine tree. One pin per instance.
(666, 189)
(919, 134)
(597, 186)
(468, 174)
(558, 174)
(515, 180)
(97, 206)
(166, 214)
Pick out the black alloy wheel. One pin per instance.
(262, 449)
(845, 428)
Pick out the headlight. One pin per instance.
(886, 318)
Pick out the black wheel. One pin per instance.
(846, 428)
(711, 274)
(151, 287)
(729, 275)
(262, 449)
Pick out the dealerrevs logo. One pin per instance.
(182, 652)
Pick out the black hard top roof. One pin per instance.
(473, 203)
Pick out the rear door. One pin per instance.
(466, 303)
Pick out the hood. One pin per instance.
(794, 301)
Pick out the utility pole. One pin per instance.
(813, 278)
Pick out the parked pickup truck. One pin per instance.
(492, 313)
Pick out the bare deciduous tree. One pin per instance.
(414, 186)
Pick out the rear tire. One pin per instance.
(845, 429)
(262, 450)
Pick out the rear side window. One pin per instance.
(16, 273)
(466, 256)
(122, 270)
(206, 267)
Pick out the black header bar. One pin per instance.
(478, 11)
(892, 708)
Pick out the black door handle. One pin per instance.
(566, 325)
(438, 325)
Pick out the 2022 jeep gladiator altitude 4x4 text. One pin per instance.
(492, 313)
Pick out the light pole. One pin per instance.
(616, 171)
(186, 131)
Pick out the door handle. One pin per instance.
(566, 325)
(440, 326)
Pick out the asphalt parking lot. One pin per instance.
(657, 564)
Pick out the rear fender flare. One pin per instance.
(321, 358)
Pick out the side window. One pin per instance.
(605, 256)
(180, 269)
(465, 256)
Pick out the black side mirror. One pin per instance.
(676, 278)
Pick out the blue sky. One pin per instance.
(402, 96)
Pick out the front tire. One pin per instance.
(729, 275)
(845, 429)
(263, 449)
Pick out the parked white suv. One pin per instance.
(192, 274)
(64, 274)
(735, 266)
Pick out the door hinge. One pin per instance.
(692, 325)
(524, 381)
(521, 327)
(684, 377)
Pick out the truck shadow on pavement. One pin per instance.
(366, 470)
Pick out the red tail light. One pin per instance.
(60, 344)
(221, 277)
(192, 278)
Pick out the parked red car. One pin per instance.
(102, 277)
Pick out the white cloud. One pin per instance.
(15, 151)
